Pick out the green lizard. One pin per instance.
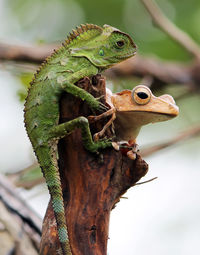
(87, 51)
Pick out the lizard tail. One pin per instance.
(48, 162)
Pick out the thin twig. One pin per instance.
(150, 180)
(171, 29)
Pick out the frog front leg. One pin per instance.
(92, 119)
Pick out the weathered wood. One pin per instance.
(92, 183)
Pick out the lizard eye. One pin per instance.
(141, 95)
(120, 43)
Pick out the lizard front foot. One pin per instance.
(98, 106)
(102, 107)
(101, 144)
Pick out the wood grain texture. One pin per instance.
(92, 184)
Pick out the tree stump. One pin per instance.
(92, 183)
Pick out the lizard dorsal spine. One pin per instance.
(83, 32)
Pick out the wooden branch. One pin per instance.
(92, 183)
(181, 37)
(162, 73)
(20, 226)
(32, 54)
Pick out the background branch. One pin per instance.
(162, 73)
(171, 29)
(30, 54)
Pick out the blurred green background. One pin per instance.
(51, 20)
(161, 217)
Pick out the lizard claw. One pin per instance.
(106, 140)
(103, 107)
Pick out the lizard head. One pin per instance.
(107, 47)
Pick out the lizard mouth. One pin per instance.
(127, 55)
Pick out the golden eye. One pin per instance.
(141, 94)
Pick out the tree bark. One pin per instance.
(92, 183)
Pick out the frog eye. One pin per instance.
(141, 95)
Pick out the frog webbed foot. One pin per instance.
(129, 149)
(132, 154)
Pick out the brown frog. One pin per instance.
(132, 109)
